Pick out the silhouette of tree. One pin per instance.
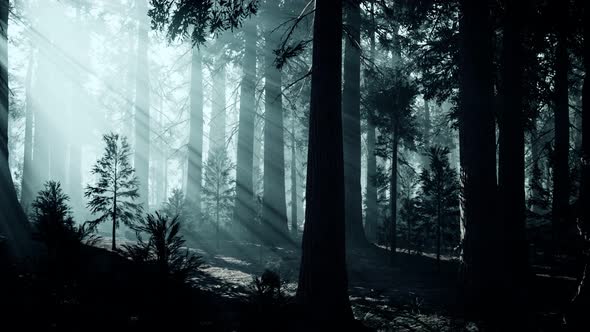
(116, 190)
(439, 198)
(218, 189)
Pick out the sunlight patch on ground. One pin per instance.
(233, 260)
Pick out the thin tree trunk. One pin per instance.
(274, 205)
(27, 178)
(142, 106)
(393, 192)
(480, 263)
(561, 186)
(195, 142)
(294, 227)
(323, 283)
(351, 128)
(371, 198)
(114, 216)
(244, 211)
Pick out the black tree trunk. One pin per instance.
(351, 128)
(511, 166)
(480, 264)
(323, 283)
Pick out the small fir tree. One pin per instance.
(115, 195)
(218, 189)
(439, 198)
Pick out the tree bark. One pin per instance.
(195, 141)
(577, 316)
(27, 193)
(142, 106)
(294, 225)
(393, 192)
(14, 226)
(351, 128)
(372, 213)
(480, 264)
(561, 185)
(218, 112)
(245, 208)
(511, 166)
(274, 204)
(323, 284)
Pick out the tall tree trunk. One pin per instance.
(480, 263)
(372, 213)
(351, 128)
(27, 193)
(218, 112)
(244, 211)
(78, 102)
(393, 192)
(142, 106)
(274, 204)
(561, 186)
(195, 141)
(14, 226)
(578, 317)
(294, 226)
(323, 283)
(511, 166)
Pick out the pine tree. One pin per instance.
(115, 193)
(439, 198)
(53, 224)
(218, 191)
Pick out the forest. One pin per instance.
(295, 165)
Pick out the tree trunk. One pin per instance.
(480, 263)
(438, 234)
(114, 213)
(79, 102)
(294, 226)
(372, 213)
(274, 205)
(27, 193)
(577, 317)
(142, 106)
(195, 141)
(351, 128)
(511, 166)
(393, 192)
(218, 113)
(323, 284)
(14, 226)
(561, 186)
(244, 210)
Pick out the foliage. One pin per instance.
(115, 193)
(413, 229)
(163, 248)
(198, 19)
(439, 196)
(266, 289)
(218, 190)
(52, 220)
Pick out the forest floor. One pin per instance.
(415, 295)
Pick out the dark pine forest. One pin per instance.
(294, 165)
